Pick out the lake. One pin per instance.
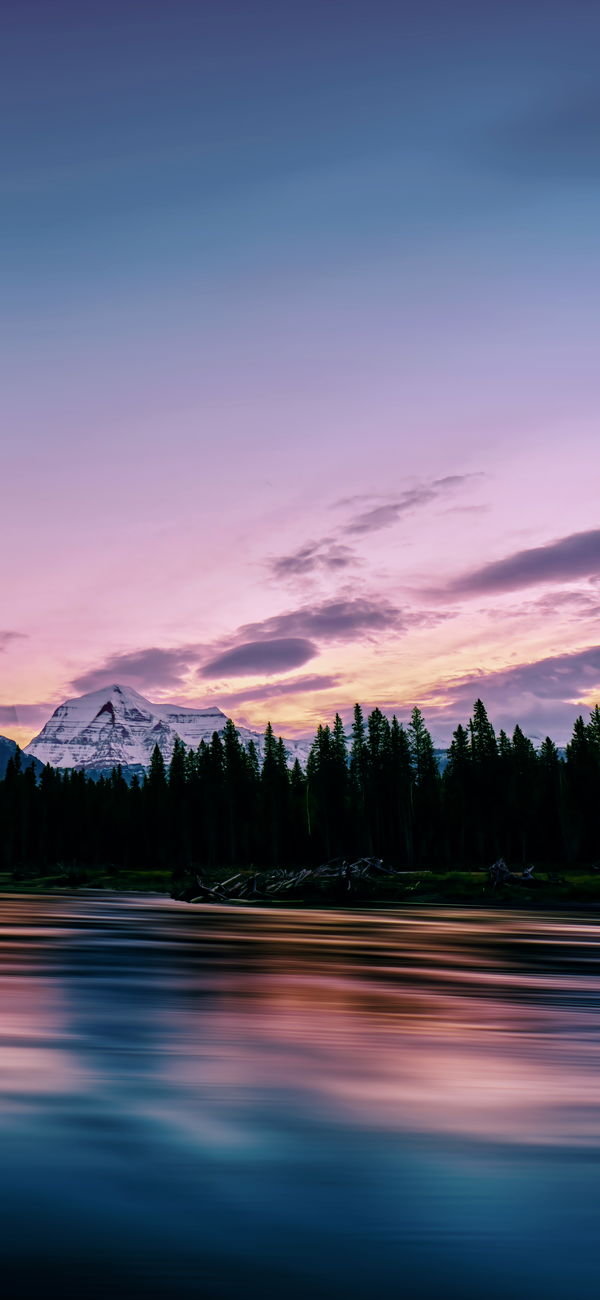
(227, 1102)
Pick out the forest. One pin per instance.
(377, 791)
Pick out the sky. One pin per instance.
(300, 313)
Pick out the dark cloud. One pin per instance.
(575, 556)
(560, 677)
(273, 690)
(340, 620)
(543, 696)
(269, 656)
(326, 555)
(278, 644)
(143, 669)
(386, 512)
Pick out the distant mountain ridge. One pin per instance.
(116, 726)
(8, 749)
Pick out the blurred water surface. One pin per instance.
(238, 1103)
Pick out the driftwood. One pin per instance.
(206, 893)
(338, 876)
(337, 879)
(500, 874)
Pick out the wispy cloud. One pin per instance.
(383, 513)
(564, 560)
(25, 715)
(578, 605)
(327, 556)
(275, 690)
(369, 514)
(6, 639)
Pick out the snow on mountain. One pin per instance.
(117, 725)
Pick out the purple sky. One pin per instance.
(300, 389)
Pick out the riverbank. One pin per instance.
(57, 881)
(368, 882)
(554, 889)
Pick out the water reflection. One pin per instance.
(221, 1102)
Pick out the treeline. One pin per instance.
(377, 791)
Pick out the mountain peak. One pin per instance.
(116, 725)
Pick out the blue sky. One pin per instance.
(260, 259)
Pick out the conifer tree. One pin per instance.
(358, 774)
(299, 818)
(485, 804)
(155, 799)
(178, 836)
(426, 789)
(339, 787)
(458, 795)
(318, 772)
(583, 789)
(234, 788)
(552, 813)
(401, 794)
(525, 791)
(378, 756)
(273, 795)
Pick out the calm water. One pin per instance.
(217, 1102)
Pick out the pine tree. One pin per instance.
(487, 833)
(421, 748)
(178, 829)
(339, 788)
(318, 781)
(426, 791)
(552, 812)
(484, 747)
(274, 781)
(299, 817)
(234, 783)
(252, 797)
(157, 779)
(525, 791)
(583, 790)
(401, 794)
(457, 796)
(358, 775)
(378, 756)
(156, 800)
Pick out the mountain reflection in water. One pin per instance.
(232, 1103)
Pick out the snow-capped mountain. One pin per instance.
(116, 725)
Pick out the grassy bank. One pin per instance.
(547, 889)
(30, 882)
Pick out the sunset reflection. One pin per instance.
(250, 1070)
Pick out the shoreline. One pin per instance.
(468, 890)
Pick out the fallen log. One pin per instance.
(500, 874)
(339, 874)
